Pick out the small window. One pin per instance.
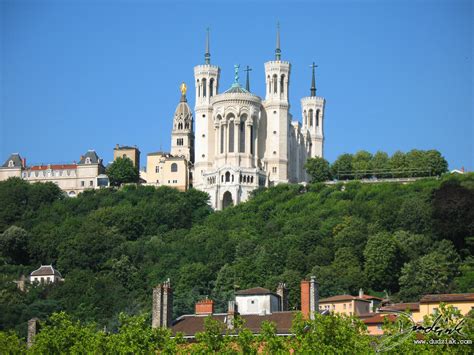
(274, 170)
(157, 169)
(435, 310)
(88, 160)
(174, 168)
(82, 183)
(204, 155)
(379, 326)
(345, 305)
(203, 136)
(11, 164)
(91, 183)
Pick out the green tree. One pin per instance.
(398, 164)
(14, 245)
(381, 164)
(318, 168)
(212, 339)
(362, 164)
(342, 167)
(122, 171)
(382, 262)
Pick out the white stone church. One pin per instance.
(242, 141)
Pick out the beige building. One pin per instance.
(133, 153)
(73, 178)
(163, 169)
(430, 304)
(46, 274)
(345, 304)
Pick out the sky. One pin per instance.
(81, 74)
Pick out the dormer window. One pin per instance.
(11, 164)
(88, 160)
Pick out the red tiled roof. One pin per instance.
(448, 297)
(341, 298)
(53, 167)
(369, 297)
(401, 307)
(45, 270)
(189, 325)
(379, 318)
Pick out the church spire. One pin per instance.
(207, 55)
(277, 49)
(313, 81)
(247, 83)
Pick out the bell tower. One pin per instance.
(206, 79)
(312, 108)
(182, 135)
(276, 104)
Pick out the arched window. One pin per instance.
(11, 164)
(251, 139)
(269, 83)
(275, 83)
(204, 84)
(222, 140)
(227, 200)
(186, 125)
(317, 118)
(232, 177)
(282, 84)
(180, 125)
(174, 168)
(231, 136)
(305, 118)
(242, 134)
(199, 88)
(251, 179)
(88, 160)
(227, 177)
(211, 87)
(311, 117)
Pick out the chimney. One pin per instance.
(33, 328)
(162, 305)
(309, 298)
(204, 307)
(23, 163)
(282, 291)
(231, 312)
(361, 293)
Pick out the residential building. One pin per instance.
(45, 274)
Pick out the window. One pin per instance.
(11, 164)
(251, 139)
(435, 310)
(204, 83)
(227, 177)
(82, 183)
(282, 84)
(157, 169)
(174, 168)
(211, 87)
(275, 83)
(311, 117)
(269, 84)
(180, 141)
(345, 306)
(242, 135)
(222, 140)
(274, 170)
(317, 118)
(88, 160)
(91, 183)
(48, 279)
(379, 326)
(231, 136)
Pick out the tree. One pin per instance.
(398, 164)
(14, 245)
(362, 164)
(342, 168)
(122, 171)
(381, 162)
(318, 168)
(382, 262)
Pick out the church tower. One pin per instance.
(206, 79)
(276, 104)
(312, 108)
(182, 135)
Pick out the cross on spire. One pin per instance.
(277, 49)
(207, 55)
(247, 83)
(313, 80)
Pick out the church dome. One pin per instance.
(183, 110)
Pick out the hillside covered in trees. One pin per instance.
(112, 246)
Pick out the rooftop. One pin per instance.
(414, 306)
(342, 298)
(254, 291)
(46, 270)
(448, 297)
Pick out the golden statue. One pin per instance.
(183, 88)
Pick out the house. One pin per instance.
(345, 304)
(254, 306)
(46, 274)
(375, 322)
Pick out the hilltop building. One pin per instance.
(133, 153)
(88, 173)
(45, 274)
(242, 141)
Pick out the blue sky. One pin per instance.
(79, 75)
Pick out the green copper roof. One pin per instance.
(236, 88)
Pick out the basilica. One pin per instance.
(241, 141)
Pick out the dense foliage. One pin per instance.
(122, 171)
(364, 165)
(112, 246)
